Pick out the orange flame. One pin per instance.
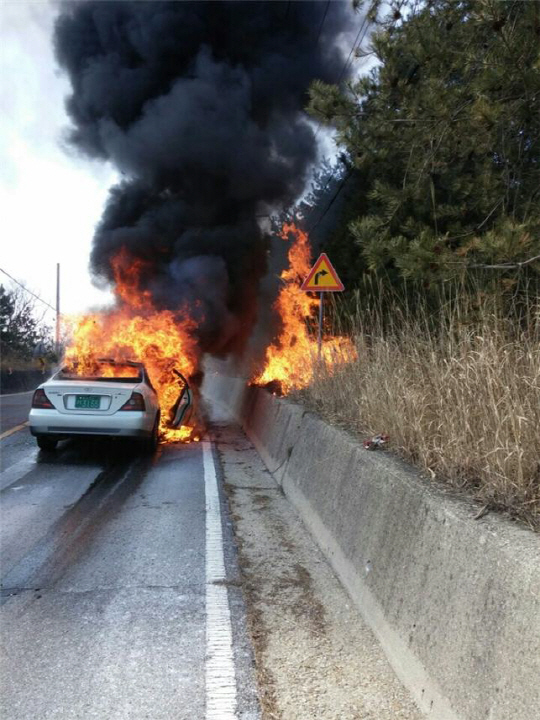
(135, 330)
(292, 359)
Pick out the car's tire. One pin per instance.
(45, 443)
(151, 443)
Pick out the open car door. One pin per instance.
(181, 409)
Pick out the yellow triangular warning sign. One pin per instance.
(322, 277)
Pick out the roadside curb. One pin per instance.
(455, 602)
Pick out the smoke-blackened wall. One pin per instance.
(200, 107)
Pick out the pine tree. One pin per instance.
(444, 136)
(21, 332)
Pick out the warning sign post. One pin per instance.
(322, 278)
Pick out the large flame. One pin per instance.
(165, 341)
(135, 330)
(292, 359)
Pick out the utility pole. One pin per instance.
(58, 309)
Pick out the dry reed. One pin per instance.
(459, 397)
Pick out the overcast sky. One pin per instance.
(50, 200)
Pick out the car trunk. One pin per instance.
(88, 397)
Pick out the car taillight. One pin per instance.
(41, 401)
(135, 402)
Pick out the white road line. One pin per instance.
(17, 471)
(220, 671)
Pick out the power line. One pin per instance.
(334, 197)
(497, 266)
(344, 68)
(353, 48)
(27, 290)
(287, 10)
(322, 21)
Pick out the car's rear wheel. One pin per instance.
(46, 443)
(150, 444)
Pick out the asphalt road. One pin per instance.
(119, 585)
(123, 592)
(14, 409)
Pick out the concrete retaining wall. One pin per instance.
(455, 602)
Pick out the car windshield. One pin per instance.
(102, 371)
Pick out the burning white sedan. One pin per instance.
(115, 399)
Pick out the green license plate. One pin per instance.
(88, 402)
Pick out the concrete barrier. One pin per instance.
(454, 601)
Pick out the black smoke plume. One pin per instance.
(200, 107)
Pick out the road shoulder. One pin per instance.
(315, 656)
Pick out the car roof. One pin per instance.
(112, 361)
(138, 368)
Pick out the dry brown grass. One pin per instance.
(460, 399)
